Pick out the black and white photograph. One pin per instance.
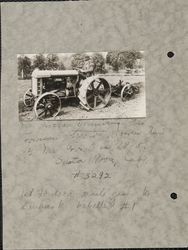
(88, 85)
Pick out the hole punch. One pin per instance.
(170, 54)
(174, 196)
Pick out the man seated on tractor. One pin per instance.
(70, 87)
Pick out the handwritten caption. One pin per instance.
(34, 199)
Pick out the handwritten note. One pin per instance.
(47, 198)
(125, 146)
(81, 158)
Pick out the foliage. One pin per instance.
(39, 62)
(52, 62)
(123, 59)
(96, 62)
(99, 63)
(24, 67)
(112, 59)
(78, 60)
(61, 66)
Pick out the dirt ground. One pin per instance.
(135, 107)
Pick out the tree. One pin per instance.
(98, 63)
(78, 60)
(129, 58)
(24, 67)
(61, 66)
(112, 59)
(123, 59)
(39, 62)
(52, 62)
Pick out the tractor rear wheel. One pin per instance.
(94, 93)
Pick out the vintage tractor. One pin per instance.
(50, 87)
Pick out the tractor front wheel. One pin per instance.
(47, 105)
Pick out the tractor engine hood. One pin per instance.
(50, 73)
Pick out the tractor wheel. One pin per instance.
(28, 98)
(127, 92)
(94, 93)
(47, 105)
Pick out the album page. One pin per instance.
(94, 124)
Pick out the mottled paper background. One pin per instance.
(146, 158)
